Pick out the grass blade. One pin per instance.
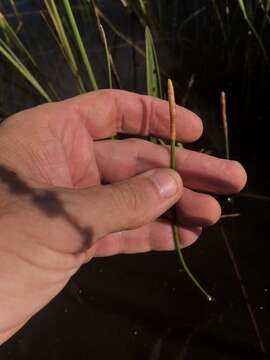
(176, 234)
(152, 71)
(13, 38)
(119, 34)
(80, 44)
(219, 19)
(103, 38)
(125, 3)
(154, 87)
(16, 12)
(143, 5)
(191, 17)
(108, 56)
(57, 22)
(254, 31)
(14, 60)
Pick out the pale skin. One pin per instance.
(67, 195)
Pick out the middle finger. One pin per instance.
(120, 159)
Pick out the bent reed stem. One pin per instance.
(176, 235)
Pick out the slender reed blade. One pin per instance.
(219, 19)
(57, 22)
(125, 3)
(108, 56)
(80, 44)
(176, 235)
(16, 12)
(153, 79)
(143, 5)
(119, 33)
(14, 60)
(13, 38)
(254, 31)
(191, 17)
(154, 87)
(103, 38)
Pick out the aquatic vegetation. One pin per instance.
(240, 28)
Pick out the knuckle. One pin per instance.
(126, 197)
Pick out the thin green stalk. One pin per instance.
(220, 20)
(13, 38)
(143, 5)
(14, 41)
(108, 56)
(14, 60)
(119, 34)
(57, 22)
(125, 3)
(266, 9)
(176, 234)
(80, 44)
(161, 141)
(16, 12)
(103, 38)
(191, 17)
(252, 28)
(154, 87)
(153, 79)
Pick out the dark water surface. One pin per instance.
(143, 306)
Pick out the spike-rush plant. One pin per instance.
(61, 19)
(12, 48)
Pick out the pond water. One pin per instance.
(144, 306)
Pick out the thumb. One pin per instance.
(129, 204)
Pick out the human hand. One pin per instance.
(54, 213)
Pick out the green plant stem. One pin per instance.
(254, 31)
(119, 34)
(68, 54)
(143, 5)
(153, 79)
(107, 55)
(219, 18)
(12, 36)
(191, 17)
(154, 87)
(175, 230)
(14, 60)
(183, 262)
(80, 44)
(16, 12)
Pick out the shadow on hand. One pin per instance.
(47, 201)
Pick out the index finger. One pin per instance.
(107, 112)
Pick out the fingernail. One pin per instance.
(166, 183)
